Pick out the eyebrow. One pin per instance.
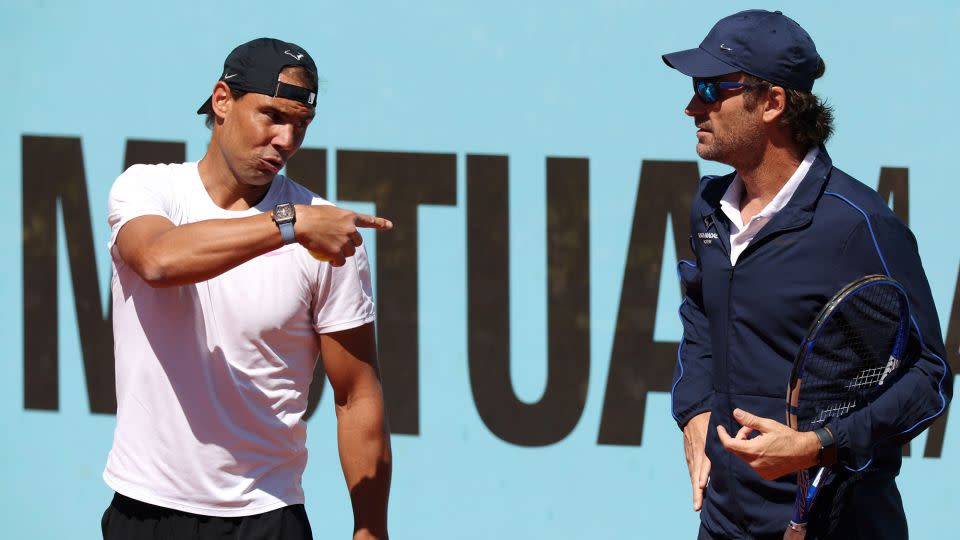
(274, 109)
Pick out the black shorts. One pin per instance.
(129, 519)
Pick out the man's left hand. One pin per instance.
(776, 451)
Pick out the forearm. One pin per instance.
(366, 460)
(199, 251)
(908, 407)
(692, 390)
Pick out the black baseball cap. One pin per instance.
(255, 66)
(765, 44)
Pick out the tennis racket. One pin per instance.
(853, 348)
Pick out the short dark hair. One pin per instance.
(299, 73)
(809, 118)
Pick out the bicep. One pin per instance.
(137, 235)
(350, 361)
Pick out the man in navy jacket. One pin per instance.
(774, 241)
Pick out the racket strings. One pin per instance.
(850, 354)
(834, 411)
(867, 378)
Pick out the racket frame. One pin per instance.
(808, 490)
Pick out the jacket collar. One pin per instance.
(800, 207)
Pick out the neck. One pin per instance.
(764, 176)
(223, 186)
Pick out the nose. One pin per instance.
(284, 136)
(695, 107)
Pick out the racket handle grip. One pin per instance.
(795, 531)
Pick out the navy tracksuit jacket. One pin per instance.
(742, 326)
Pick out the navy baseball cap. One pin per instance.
(255, 66)
(765, 44)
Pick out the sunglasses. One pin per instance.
(709, 91)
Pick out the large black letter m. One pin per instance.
(52, 174)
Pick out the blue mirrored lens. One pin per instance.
(707, 90)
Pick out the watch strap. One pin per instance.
(827, 455)
(286, 232)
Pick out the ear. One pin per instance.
(222, 100)
(775, 104)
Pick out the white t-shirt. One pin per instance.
(212, 378)
(741, 234)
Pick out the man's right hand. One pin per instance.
(330, 233)
(698, 465)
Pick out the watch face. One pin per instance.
(283, 213)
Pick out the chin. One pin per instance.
(704, 151)
(710, 154)
(259, 178)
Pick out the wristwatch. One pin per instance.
(827, 455)
(284, 215)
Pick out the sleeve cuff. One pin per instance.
(702, 406)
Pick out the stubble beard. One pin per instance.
(737, 146)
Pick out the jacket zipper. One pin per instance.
(726, 358)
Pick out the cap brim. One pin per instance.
(207, 106)
(698, 63)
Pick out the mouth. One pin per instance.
(271, 164)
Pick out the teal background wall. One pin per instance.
(518, 78)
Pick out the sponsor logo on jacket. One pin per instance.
(707, 237)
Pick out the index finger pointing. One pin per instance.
(372, 222)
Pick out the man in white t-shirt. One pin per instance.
(229, 281)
